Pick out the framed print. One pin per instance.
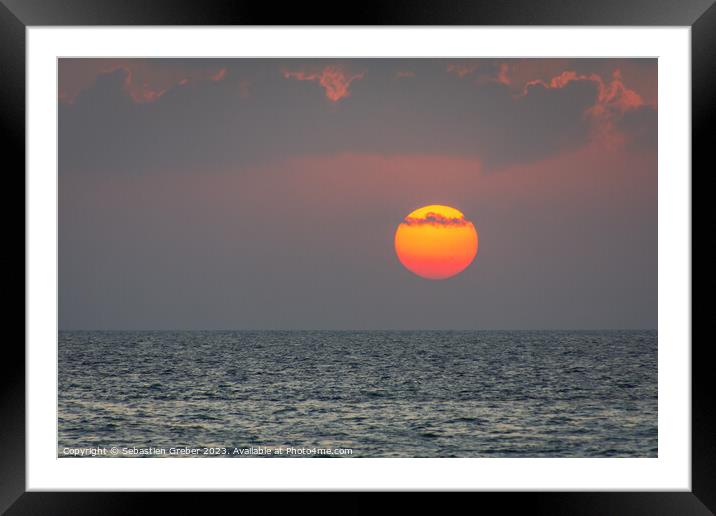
(447, 247)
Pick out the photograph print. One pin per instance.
(357, 258)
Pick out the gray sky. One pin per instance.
(202, 194)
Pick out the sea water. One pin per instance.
(363, 393)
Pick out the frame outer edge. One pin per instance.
(703, 410)
(12, 107)
(370, 12)
(12, 132)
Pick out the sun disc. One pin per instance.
(436, 242)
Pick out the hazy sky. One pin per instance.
(202, 194)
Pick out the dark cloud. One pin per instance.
(435, 219)
(216, 123)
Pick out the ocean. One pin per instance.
(357, 394)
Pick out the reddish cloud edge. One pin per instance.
(334, 79)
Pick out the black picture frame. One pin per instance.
(17, 15)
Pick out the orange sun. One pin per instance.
(436, 242)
